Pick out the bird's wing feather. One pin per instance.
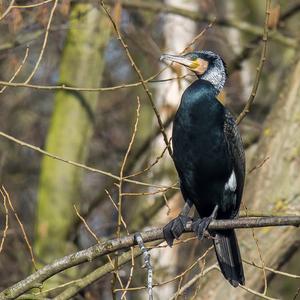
(236, 152)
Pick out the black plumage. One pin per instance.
(209, 158)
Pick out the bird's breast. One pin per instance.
(200, 151)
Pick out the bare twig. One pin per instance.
(32, 5)
(297, 294)
(252, 263)
(193, 281)
(138, 72)
(6, 219)
(10, 6)
(258, 166)
(120, 194)
(259, 253)
(110, 246)
(17, 71)
(260, 295)
(130, 274)
(21, 226)
(150, 166)
(88, 228)
(54, 156)
(116, 207)
(90, 89)
(44, 43)
(96, 238)
(179, 276)
(260, 66)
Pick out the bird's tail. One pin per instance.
(229, 258)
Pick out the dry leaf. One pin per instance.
(117, 13)
(14, 62)
(15, 20)
(274, 16)
(64, 8)
(42, 15)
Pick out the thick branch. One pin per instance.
(37, 278)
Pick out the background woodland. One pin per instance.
(86, 111)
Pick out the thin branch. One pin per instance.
(32, 5)
(116, 207)
(151, 165)
(17, 71)
(21, 227)
(130, 274)
(120, 193)
(44, 43)
(259, 253)
(87, 227)
(138, 72)
(260, 66)
(252, 263)
(259, 165)
(6, 219)
(90, 89)
(11, 4)
(79, 165)
(297, 294)
(193, 281)
(110, 246)
(263, 296)
(96, 238)
(179, 276)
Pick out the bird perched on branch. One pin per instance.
(209, 158)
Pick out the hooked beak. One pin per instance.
(180, 60)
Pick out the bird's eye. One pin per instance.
(192, 57)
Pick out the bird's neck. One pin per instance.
(216, 76)
(201, 93)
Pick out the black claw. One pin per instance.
(175, 228)
(200, 226)
(168, 235)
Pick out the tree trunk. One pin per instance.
(178, 33)
(71, 126)
(273, 187)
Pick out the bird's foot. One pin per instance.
(201, 225)
(175, 228)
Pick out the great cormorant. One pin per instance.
(209, 158)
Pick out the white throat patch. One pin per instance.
(216, 75)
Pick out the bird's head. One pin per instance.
(207, 65)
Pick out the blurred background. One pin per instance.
(67, 86)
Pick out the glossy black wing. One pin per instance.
(236, 152)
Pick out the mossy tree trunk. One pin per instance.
(70, 130)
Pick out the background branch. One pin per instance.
(243, 26)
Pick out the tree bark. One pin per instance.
(70, 129)
(274, 187)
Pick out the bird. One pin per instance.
(209, 157)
